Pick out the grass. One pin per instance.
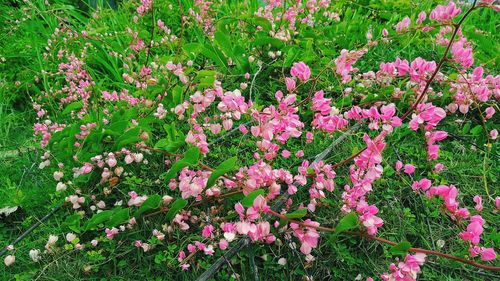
(408, 216)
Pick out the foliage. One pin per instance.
(170, 130)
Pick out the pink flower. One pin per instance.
(285, 153)
(489, 112)
(423, 184)
(301, 71)
(399, 165)
(421, 17)
(479, 203)
(207, 231)
(474, 230)
(385, 32)
(406, 270)
(409, 169)
(299, 154)
(75, 200)
(403, 25)
(308, 236)
(438, 167)
(243, 129)
(110, 233)
(290, 84)
(445, 13)
(185, 266)
(494, 134)
(488, 254)
(309, 137)
(209, 250)
(58, 175)
(223, 244)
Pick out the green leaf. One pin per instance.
(400, 249)
(71, 107)
(168, 145)
(190, 158)
(109, 218)
(98, 219)
(476, 130)
(175, 208)
(224, 42)
(297, 214)
(130, 136)
(224, 167)
(248, 200)
(153, 202)
(73, 222)
(466, 128)
(119, 216)
(349, 221)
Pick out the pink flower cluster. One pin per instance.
(363, 173)
(426, 115)
(461, 52)
(261, 174)
(470, 88)
(322, 179)
(135, 199)
(192, 183)
(307, 236)
(345, 61)
(432, 148)
(403, 24)
(445, 14)
(325, 118)
(301, 71)
(278, 124)
(406, 270)
(386, 118)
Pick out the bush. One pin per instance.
(178, 130)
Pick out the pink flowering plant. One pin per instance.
(174, 131)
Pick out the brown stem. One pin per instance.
(382, 240)
(427, 85)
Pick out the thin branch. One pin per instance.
(427, 85)
(382, 240)
(29, 230)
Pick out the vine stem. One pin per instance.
(383, 240)
(429, 81)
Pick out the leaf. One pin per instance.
(248, 200)
(110, 218)
(130, 136)
(175, 208)
(476, 130)
(224, 167)
(167, 145)
(73, 222)
(349, 221)
(98, 219)
(400, 249)
(119, 216)
(190, 158)
(153, 202)
(71, 107)
(466, 128)
(297, 214)
(224, 42)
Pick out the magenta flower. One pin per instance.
(301, 71)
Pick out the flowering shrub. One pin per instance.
(140, 122)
